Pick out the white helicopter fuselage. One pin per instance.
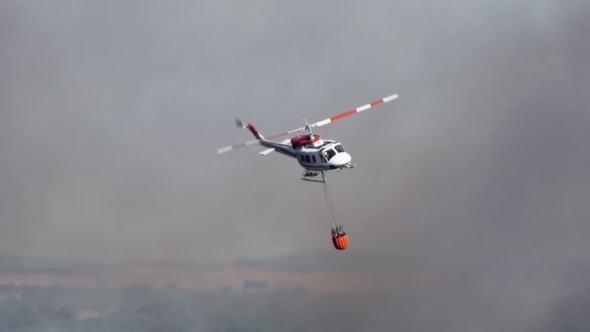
(317, 159)
(312, 153)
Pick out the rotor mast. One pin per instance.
(308, 127)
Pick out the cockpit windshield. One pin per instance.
(329, 153)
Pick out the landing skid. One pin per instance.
(309, 173)
(344, 167)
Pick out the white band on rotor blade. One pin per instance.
(323, 122)
(364, 107)
(354, 111)
(236, 146)
(392, 97)
(222, 150)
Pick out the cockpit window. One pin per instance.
(339, 148)
(330, 153)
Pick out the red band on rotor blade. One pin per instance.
(375, 103)
(277, 135)
(343, 115)
(239, 145)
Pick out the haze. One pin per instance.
(112, 112)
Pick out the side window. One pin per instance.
(322, 158)
(339, 148)
(313, 158)
(307, 159)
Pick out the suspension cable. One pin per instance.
(330, 204)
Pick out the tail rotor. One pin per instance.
(240, 124)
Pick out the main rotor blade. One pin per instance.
(317, 124)
(287, 132)
(241, 145)
(340, 116)
(237, 146)
(354, 111)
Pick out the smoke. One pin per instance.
(111, 115)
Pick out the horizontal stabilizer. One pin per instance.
(267, 151)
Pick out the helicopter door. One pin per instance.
(313, 159)
(316, 158)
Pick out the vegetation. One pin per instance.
(143, 308)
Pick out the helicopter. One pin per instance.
(315, 154)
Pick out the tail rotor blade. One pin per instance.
(240, 124)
